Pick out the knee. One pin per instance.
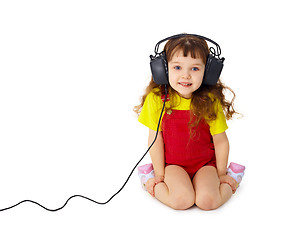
(207, 201)
(182, 202)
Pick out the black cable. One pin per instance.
(101, 203)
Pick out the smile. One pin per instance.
(185, 84)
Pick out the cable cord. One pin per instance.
(124, 184)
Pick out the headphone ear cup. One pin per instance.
(213, 70)
(159, 69)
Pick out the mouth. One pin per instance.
(185, 84)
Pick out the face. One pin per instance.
(185, 74)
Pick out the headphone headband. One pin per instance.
(216, 53)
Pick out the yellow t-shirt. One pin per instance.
(153, 104)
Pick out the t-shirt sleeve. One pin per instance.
(151, 110)
(219, 125)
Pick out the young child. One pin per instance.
(190, 154)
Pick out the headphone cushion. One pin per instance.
(213, 70)
(159, 70)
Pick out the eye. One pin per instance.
(177, 67)
(195, 69)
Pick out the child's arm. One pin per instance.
(221, 149)
(157, 156)
(157, 153)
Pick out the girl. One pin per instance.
(190, 154)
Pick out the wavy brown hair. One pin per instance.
(203, 100)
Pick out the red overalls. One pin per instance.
(189, 153)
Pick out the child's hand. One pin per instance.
(150, 184)
(230, 181)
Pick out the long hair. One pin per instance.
(203, 100)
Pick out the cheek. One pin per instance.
(174, 74)
(199, 78)
(172, 81)
(172, 77)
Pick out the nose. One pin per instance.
(186, 75)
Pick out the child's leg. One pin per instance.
(176, 191)
(210, 194)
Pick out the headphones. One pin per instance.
(213, 67)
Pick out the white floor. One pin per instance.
(134, 214)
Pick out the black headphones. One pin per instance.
(213, 67)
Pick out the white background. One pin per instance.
(71, 73)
